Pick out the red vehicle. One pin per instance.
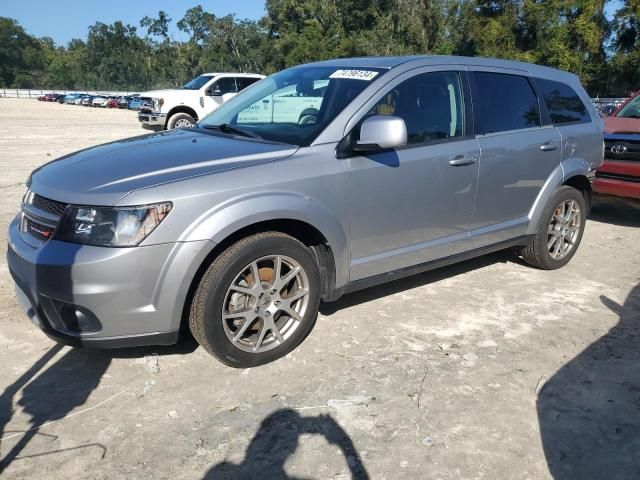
(112, 103)
(620, 174)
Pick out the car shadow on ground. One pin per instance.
(419, 280)
(589, 411)
(615, 212)
(277, 439)
(51, 392)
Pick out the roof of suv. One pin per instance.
(392, 62)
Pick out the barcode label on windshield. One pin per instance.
(366, 75)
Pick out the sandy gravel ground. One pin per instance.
(484, 370)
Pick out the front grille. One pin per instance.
(46, 205)
(622, 149)
(618, 176)
(38, 230)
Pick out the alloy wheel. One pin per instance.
(265, 303)
(564, 229)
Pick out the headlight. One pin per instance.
(111, 226)
(157, 104)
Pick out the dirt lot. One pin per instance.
(488, 369)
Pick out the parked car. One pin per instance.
(619, 176)
(135, 103)
(182, 107)
(238, 227)
(100, 101)
(112, 103)
(87, 100)
(123, 101)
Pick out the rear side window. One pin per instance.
(244, 82)
(563, 103)
(504, 102)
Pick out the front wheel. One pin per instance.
(180, 120)
(559, 231)
(257, 301)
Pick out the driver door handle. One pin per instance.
(462, 160)
(548, 147)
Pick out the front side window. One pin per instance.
(563, 103)
(198, 82)
(295, 105)
(631, 109)
(430, 105)
(503, 102)
(223, 86)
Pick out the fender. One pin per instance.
(568, 168)
(224, 219)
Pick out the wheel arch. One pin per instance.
(327, 245)
(571, 172)
(181, 109)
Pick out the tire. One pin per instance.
(179, 120)
(235, 341)
(541, 253)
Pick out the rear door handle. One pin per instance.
(549, 147)
(462, 160)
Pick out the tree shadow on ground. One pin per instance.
(277, 440)
(589, 411)
(53, 393)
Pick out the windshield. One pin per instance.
(631, 109)
(197, 83)
(295, 105)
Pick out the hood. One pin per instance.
(621, 125)
(102, 175)
(169, 91)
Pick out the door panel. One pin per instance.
(410, 206)
(513, 168)
(517, 156)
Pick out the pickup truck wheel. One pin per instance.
(180, 120)
(559, 231)
(257, 301)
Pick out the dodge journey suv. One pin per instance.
(316, 181)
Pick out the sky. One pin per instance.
(63, 20)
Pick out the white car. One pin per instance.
(183, 107)
(99, 101)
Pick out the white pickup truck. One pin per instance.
(182, 107)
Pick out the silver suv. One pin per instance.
(316, 181)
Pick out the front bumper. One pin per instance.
(104, 297)
(152, 120)
(618, 178)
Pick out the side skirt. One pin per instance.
(432, 265)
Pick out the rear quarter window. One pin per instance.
(503, 102)
(563, 103)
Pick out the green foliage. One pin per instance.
(572, 35)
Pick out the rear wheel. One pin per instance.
(560, 230)
(180, 120)
(257, 301)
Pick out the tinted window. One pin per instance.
(430, 104)
(504, 102)
(244, 82)
(563, 103)
(223, 86)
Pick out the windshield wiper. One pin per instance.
(226, 128)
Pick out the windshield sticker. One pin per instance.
(366, 75)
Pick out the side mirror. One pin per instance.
(381, 132)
